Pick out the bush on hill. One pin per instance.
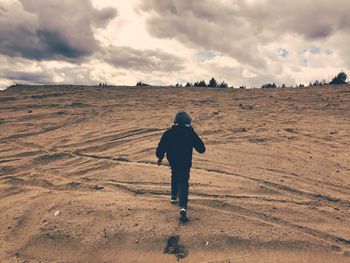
(223, 85)
(339, 79)
(212, 83)
(269, 86)
(141, 84)
(200, 84)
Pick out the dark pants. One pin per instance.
(179, 185)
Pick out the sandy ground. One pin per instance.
(79, 180)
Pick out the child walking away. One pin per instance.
(178, 143)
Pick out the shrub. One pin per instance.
(339, 79)
(223, 85)
(213, 83)
(141, 84)
(200, 84)
(269, 86)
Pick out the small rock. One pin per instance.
(246, 106)
(238, 130)
(207, 244)
(97, 187)
(57, 213)
(346, 253)
(335, 248)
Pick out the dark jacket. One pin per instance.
(178, 143)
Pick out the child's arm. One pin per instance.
(198, 143)
(162, 148)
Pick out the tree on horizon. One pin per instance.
(339, 79)
(223, 85)
(213, 83)
(201, 84)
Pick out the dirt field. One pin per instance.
(79, 180)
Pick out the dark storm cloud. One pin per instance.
(308, 18)
(27, 77)
(237, 28)
(211, 25)
(50, 29)
(141, 60)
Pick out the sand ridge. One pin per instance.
(79, 180)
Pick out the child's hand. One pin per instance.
(159, 162)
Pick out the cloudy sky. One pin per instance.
(162, 42)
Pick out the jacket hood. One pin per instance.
(183, 118)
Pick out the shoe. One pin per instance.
(173, 200)
(183, 212)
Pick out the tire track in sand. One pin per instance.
(255, 215)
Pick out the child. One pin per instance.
(178, 143)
